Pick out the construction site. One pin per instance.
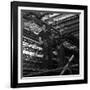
(50, 43)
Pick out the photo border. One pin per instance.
(14, 43)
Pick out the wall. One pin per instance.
(5, 46)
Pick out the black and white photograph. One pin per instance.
(50, 43)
